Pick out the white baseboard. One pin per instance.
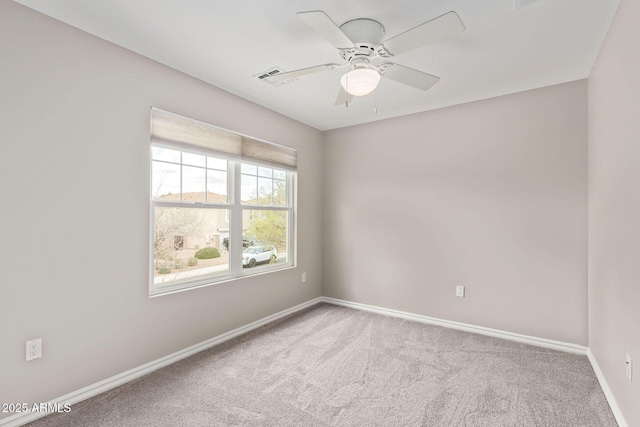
(130, 375)
(540, 342)
(617, 413)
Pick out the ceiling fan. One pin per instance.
(360, 41)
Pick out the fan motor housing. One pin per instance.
(366, 34)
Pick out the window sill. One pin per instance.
(212, 281)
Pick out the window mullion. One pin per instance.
(291, 229)
(235, 225)
(266, 208)
(178, 204)
(181, 178)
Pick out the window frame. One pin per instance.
(235, 209)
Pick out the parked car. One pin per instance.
(246, 242)
(258, 254)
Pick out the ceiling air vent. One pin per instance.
(517, 4)
(272, 72)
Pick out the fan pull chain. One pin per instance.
(346, 89)
(375, 102)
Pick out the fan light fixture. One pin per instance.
(360, 81)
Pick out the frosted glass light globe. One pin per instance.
(360, 81)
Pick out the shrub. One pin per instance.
(192, 261)
(164, 270)
(177, 263)
(207, 253)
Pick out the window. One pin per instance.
(216, 216)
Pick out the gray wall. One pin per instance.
(614, 208)
(74, 180)
(491, 195)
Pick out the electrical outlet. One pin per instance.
(629, 367)
(34, 349)
(304, 277)
(460, 291)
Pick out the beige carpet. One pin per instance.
(334, 366)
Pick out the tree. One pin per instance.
(269, 227)
(172, 222)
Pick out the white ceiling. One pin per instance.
(227, 43)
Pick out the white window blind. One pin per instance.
(176, 129)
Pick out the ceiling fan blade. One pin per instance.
(440, 28)
(323, 25)
(343, 97)
(302, 72)
(408, 76)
